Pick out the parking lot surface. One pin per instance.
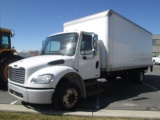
(118, 95)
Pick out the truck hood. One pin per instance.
(43, 61)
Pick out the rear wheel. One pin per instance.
(66, 97)
(137, 76)
(4, 69)
(140, 76)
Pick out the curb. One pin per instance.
(127, 114)
(88, 113)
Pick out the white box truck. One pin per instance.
(104, 45)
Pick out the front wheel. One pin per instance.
(66, 97)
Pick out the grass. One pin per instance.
(27, 116)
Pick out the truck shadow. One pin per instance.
(114, 92)
(3, 88)
(120, 93)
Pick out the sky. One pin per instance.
(34, 20)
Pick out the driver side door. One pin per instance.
(89, 66)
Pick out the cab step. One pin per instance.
(91, 83)
(93, 87)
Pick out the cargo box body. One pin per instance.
(123, 44)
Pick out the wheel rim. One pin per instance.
(70, 98)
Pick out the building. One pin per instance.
(156, 45)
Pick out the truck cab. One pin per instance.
(79, 47)
(57, 76)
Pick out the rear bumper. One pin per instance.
(29, 95)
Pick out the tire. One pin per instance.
(140, 76)
(137, 76)
(66, 97)
(4, 69)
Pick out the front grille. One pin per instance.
(16, 74)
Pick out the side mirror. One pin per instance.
(12, 33)
(94, 52)
(95, 44)
(95, 47)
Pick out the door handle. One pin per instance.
(97, 64)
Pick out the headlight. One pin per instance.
(42, 79)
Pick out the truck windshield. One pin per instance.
(62, 44)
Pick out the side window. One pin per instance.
(86, 45)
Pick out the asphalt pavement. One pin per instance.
(121, 98)
(86, 112)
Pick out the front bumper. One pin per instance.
(29, 95)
